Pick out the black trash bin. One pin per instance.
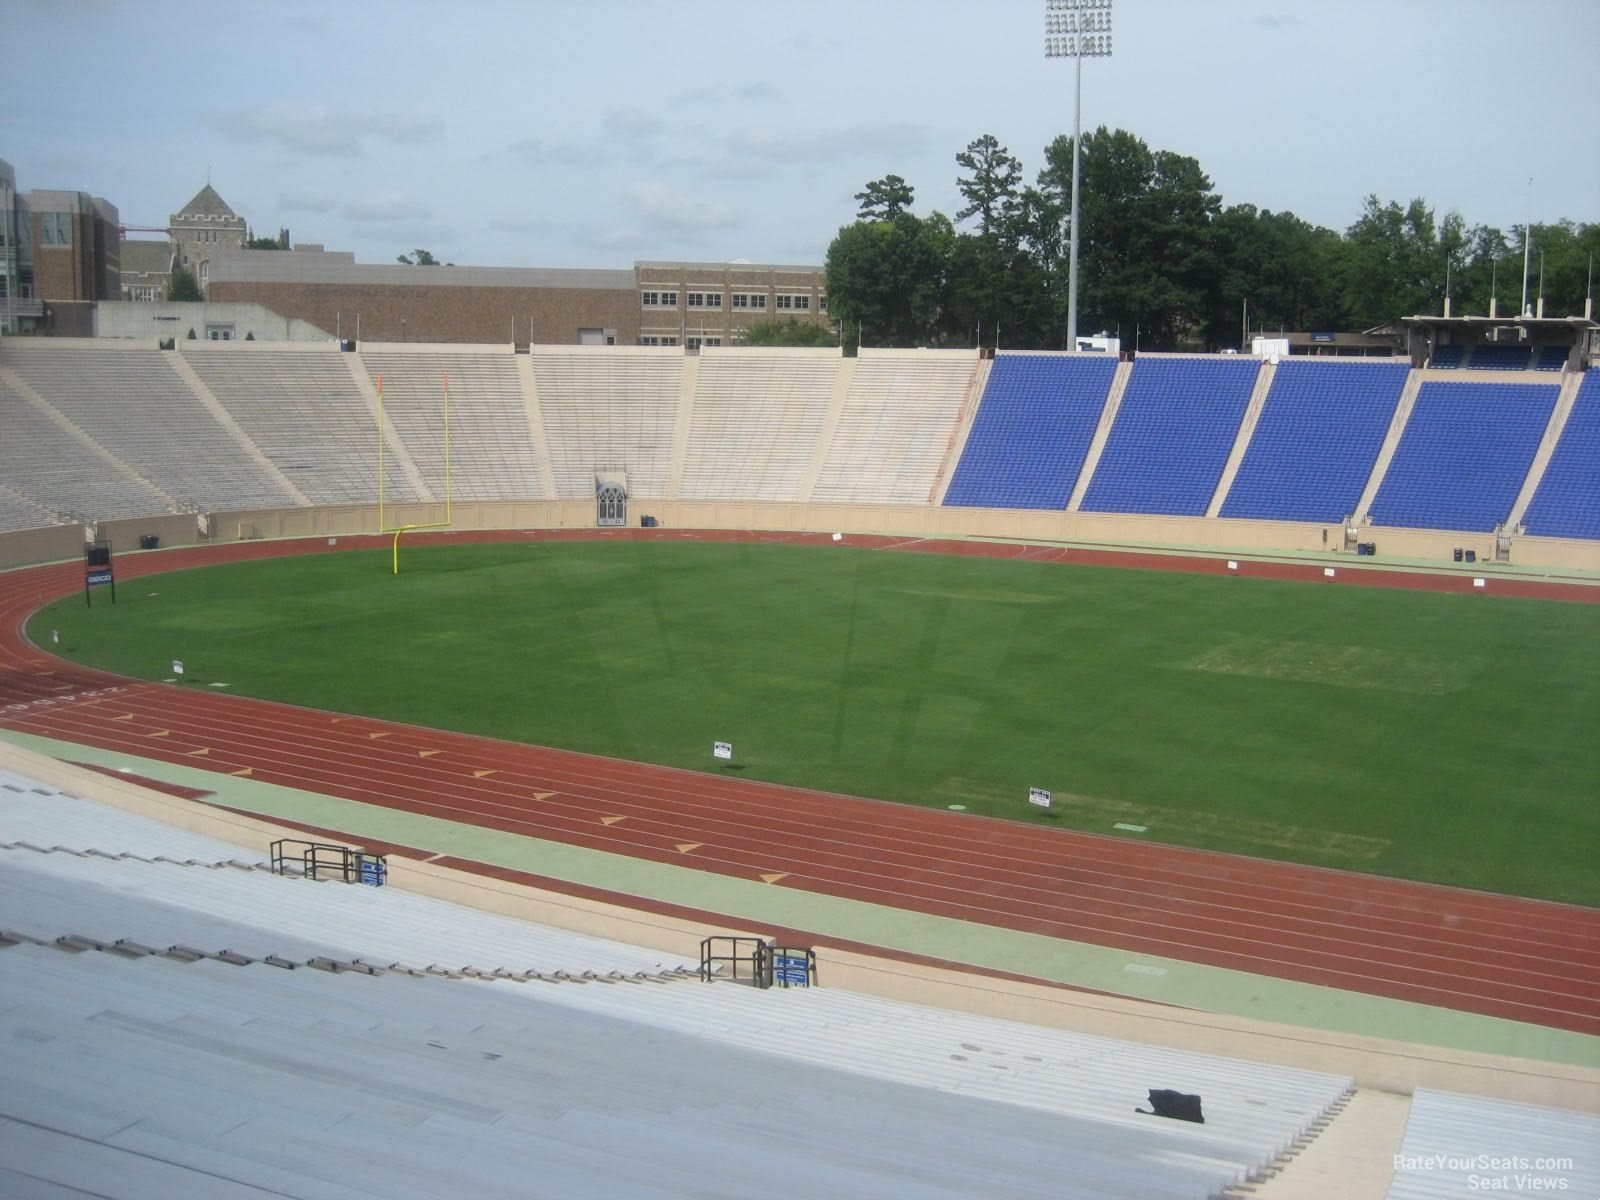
(149, 541)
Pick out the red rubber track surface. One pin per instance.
(1525, 960)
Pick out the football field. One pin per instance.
(1442, 737)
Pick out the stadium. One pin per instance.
(702, 745)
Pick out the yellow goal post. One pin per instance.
(383, 526)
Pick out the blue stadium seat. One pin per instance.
(1497, 357)
(1464, 455)
(1174, 431)
(1567, 503)
(1032, 431)
(1316, 441)
(1446, 358)
(1552, 358)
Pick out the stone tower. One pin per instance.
(205, 225)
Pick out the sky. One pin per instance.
(594, 133)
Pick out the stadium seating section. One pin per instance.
(139, 1071)
(608, 410)
(491, 445)
(896, 428)
(1552, 358)
(1316, 441)
(1032, 432)
(1463, 455)
(1446, 358)
(1176, 426)
(1567, 503)
(115, 431)
(1506, 356)
(757, 418)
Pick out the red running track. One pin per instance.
(1525, 960)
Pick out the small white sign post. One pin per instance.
(1039, 797)
(177, 666)
(722, 750)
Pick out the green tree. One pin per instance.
(183, 285)
(886, 279)
(1562, 252)
(788, 333)
(281, 242)
(421, 258)
(994, 281)
(1284, 268)
(991, 186)
(1145, 256)
(1393, 266)
(884, 199)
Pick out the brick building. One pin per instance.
(654, 303)
(61, 254)
(146, 270)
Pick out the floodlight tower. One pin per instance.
(1076, 29)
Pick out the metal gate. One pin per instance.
(611, 504)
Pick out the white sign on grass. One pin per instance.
(177, 666)
(1039, 797)
(722, 749)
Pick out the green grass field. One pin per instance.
(1439, 737)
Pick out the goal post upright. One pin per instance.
(383, 526)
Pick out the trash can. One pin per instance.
(149, 541)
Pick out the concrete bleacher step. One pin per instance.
(1287, 1156)
(237, 864)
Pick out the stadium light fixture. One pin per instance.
(1076, 29)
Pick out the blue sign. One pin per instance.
(373, 871)
(1324, 335)
(99, 577)
(791, 969)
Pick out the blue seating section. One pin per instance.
(1552, 358)
(1032, 432)
(1464, 455)
(1446, 357)
(1495, 357)
(1174, 431)
(1319, 434)
(1567, 503)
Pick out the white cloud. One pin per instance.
(316, 129)
(761, 90)
(1277, 21)
(664, 209)
(306, 202)
(632, 125)
(536, 153)
(828, 145)
(386, 208)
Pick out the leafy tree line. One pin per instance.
(1161, 260)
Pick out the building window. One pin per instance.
(750, 300)
(659, 299)
(652, 340)
(705, 299)
(822, 304)
(55, 229)
(219, 333)
(795, 303)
